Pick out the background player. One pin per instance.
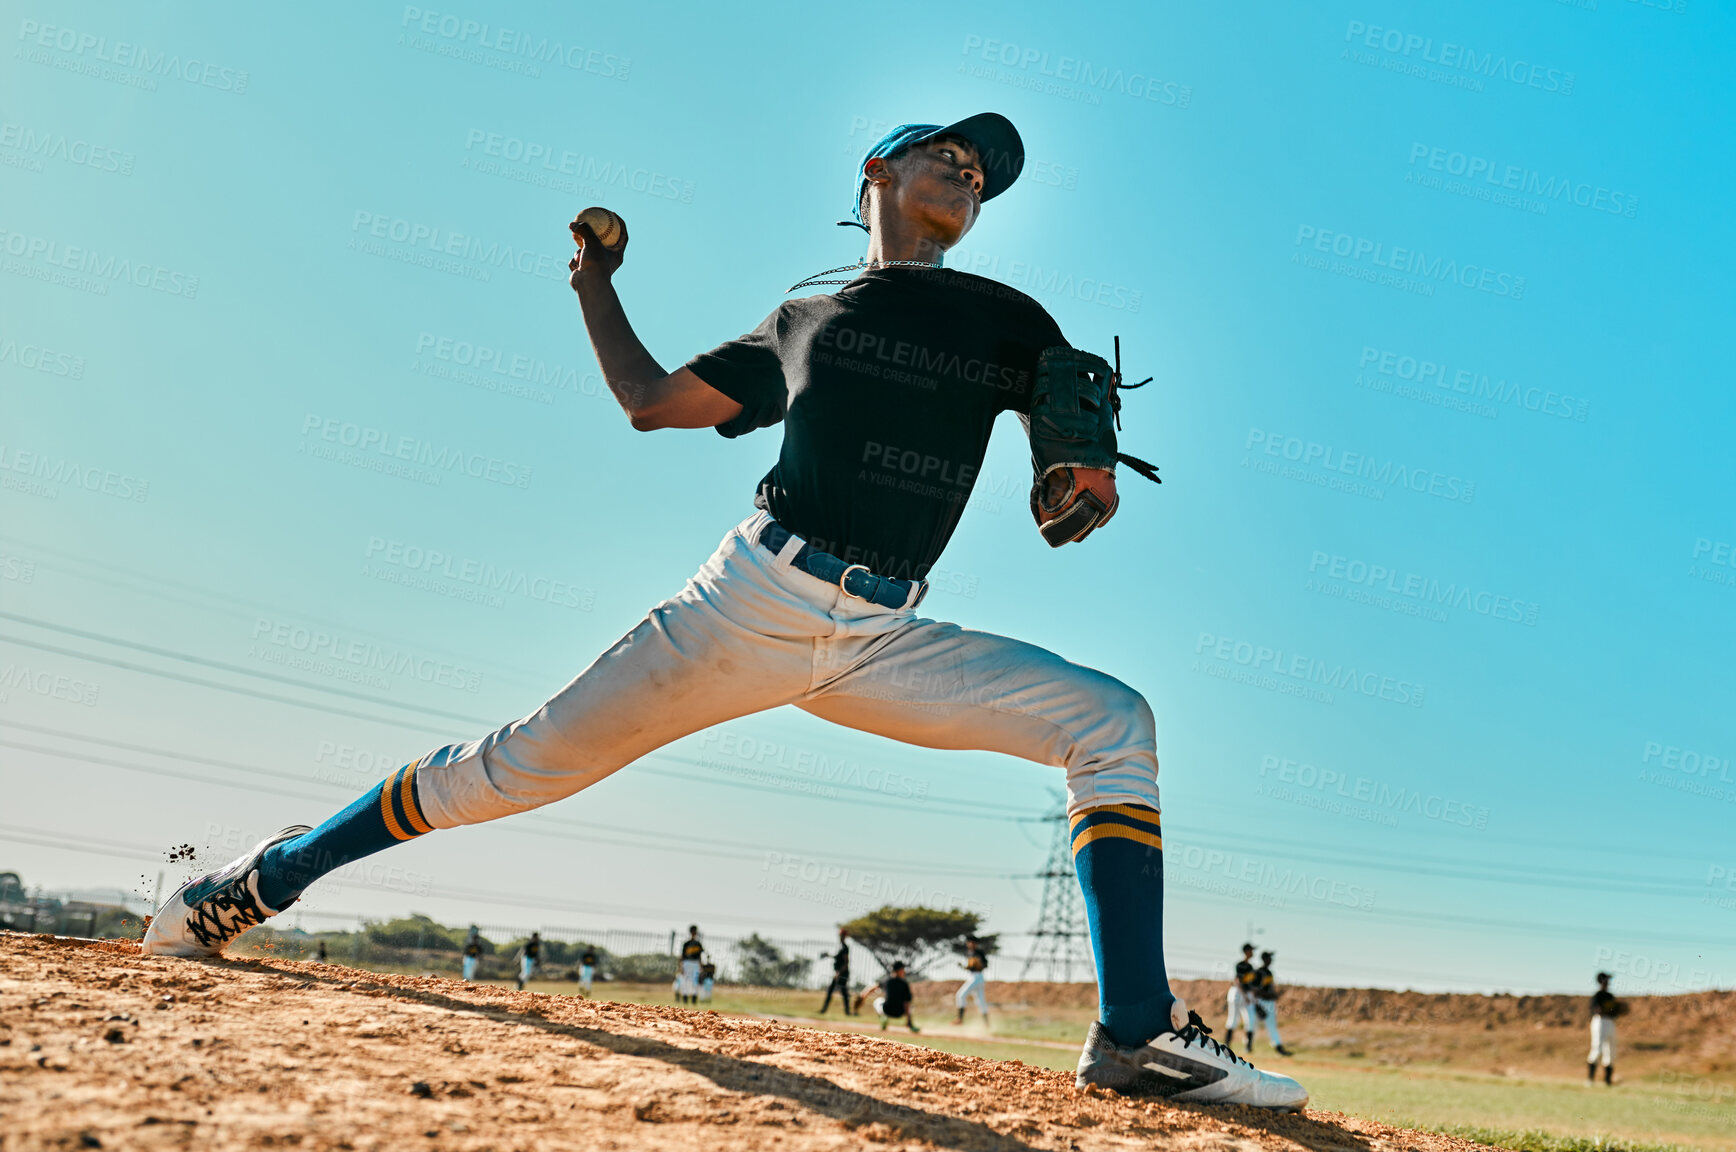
(587, 970)
(707, 980)
(687, 976)
(529, 959)
(840, 975)
(1604, 1010)
(472, 952)
(895, 998)
(812, 599)
(975, 964)
(1266, 1002)
(1241, 998)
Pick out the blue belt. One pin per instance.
(855, 579)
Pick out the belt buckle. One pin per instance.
(845, 575)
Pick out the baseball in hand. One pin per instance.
(607, 226)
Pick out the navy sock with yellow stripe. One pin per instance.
(388, 813)
(1118, 856)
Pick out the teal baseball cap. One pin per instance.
(993, 136)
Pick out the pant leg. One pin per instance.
(738, 639)
(1234, 1003)
(940, 686)
(1271, 1007)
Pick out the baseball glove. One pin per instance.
(1075, 410)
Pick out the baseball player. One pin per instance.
(529, 959)
(1266, 1002)
(587, 970)
(840, 975)
(895, 998)
(975, 964)
(320, 954)
(1604, 1010)
(887, 390)
(1241, 998)
(707, 980)
(472, 952)
(692, 954)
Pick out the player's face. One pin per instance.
(938, 185)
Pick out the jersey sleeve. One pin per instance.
(749, 371)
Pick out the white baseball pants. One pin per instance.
(1602, 1041)
(975, 984)
(470, 967)
(587, 974)
(1241, 1005)
(1271, 1007)
(689, 981)
(748, 633)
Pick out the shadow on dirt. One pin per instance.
(853, 1108)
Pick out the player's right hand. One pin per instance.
(593, 260)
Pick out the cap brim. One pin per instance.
(998, 146)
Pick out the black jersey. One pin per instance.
(841, 961)
(692, 950)
(589, 959)
(1265, 984)
(532, 949)
(887, 391)
(976, 962)
(473, 947)
(1245, 974)
(1603, 1004)
(898, 996)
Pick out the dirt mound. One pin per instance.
(101, 1046)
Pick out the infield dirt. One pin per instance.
(101, 1046)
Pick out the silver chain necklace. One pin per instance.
(815, 280)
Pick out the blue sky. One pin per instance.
(1434, 605)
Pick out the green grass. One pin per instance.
(1524, 1114)
(1537, 1140)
